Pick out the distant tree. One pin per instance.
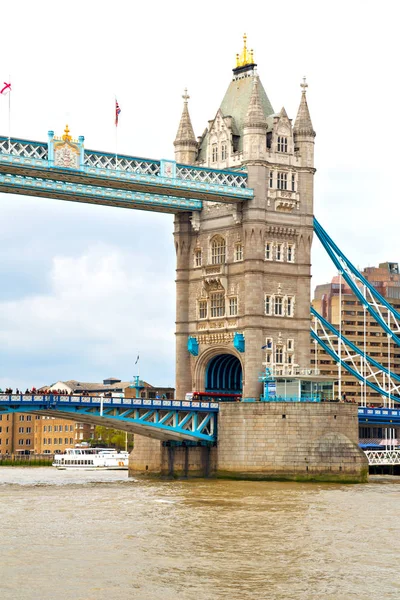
(115, 438)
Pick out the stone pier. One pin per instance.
(266, 441)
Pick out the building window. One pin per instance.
(198, 257)
(71, 427)
(278, 306)
(29, 430)
(293, 182)
(203, 309)
(55, 427)
(290, 253)
(218, 249)
(71, 440)
(215, 153)
(60, 440)
(22, 417)
(20, 442)
(29, 417)
(238, 252)
(28, 442)
(45, 428)
(289, 306)
(268, 251)
(290, 345)
(282, 181)
(282, 144)
(217, 305)
(279, 253)
(20, 430)
(267, 305)
(279, 355)
(271, 179)
(50, 428)
(289, 359)
(233, 307)
(224, 154)
(45, 441)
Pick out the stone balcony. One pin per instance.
(284, 200)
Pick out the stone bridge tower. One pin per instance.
(243, 271)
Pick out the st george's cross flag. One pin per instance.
(5, 88)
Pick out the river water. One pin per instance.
(101, 536)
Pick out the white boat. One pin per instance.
(91, 459)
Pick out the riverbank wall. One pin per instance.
(265, 441)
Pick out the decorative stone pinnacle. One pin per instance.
(185, 96)
(304, 85)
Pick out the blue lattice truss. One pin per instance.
(160, 419)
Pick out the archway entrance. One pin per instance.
(224, 374)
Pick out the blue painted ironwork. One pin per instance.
(193, 346)
(36, 159)
(379, 416)
(239, 342)
(378, 307)
(160, 419)
(224, 374)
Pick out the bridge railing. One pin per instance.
(36, 399)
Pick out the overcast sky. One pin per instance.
(83, 289)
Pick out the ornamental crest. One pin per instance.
(66, 151)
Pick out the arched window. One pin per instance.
(218, 251)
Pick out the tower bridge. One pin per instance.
(242, 196)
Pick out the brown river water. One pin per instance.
(102, 536)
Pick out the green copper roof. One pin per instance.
(236, 102)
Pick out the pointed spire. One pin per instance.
(185, 132)
(283, 113)
(303, 124)
(255, 115)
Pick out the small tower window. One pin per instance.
(233, 306)
(203, 309)
(224, 151)
(214, 153)
(289, 306)
(271, 179)
(279, 355)
(218, 251)
(198, 257)
(238, 252)
(282, 144)
(217, 305)
(282, 181)
(279, 253)
(290, 253)
(290, 345)
(267, 305)
(278, 306)
(268, 251)
(293, 182)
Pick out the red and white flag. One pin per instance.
(5, 88)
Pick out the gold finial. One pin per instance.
(246, 57)
(185, 96)
(304, 85)
(66, 137)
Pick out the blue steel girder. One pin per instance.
(31, 159)
(160, 419)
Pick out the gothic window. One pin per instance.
(279, 355)
(290, 345)
(217, 305)
(268, 251)
(218, 249)
(203, 309)
(214, 153)
(271, 179)
(290, 253)
(224, 153)
(282, 144)
(198, 258)
(238, 252)
(278, 306)
(289, 306)
(293, 182)
(233, 307)
(279, 253)
(268, 305)
(289, 359)
(282, 181)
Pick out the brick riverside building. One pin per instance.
(326, 301)
(245, 268)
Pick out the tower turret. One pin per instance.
(255, 127)
(303, 131)
(185, 142)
